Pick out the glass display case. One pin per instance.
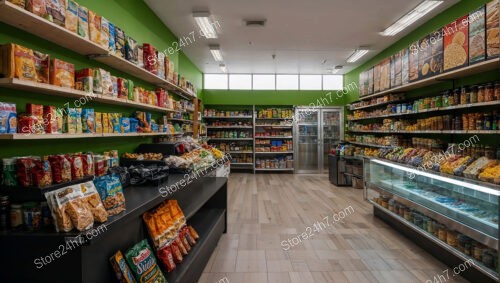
(457, 213)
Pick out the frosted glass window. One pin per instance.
(333, 82)
(215, 81)
(240, 81)
(287, 82)
(310, 82)
(264, 82)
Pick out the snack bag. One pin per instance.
(122, 271)
(131, 49)
(79, 126)
(42, 173)
(124, 125)
(24, 167)
(18, 62)
(42, 66)
(76, 166)
(85, 80)
(122, 88)
(56, 10)
(83, 22)
(93, 202)
(71, 22)
(37, 7)
(149, 58)
(97, 88)
(107, 83)
(111, 192)
(104, 33)
(119, 42)
(8, 119)
(114, 81)
(50, 120)
(88, 164)
(143, 263)
(160, 64)
(62, 220)
(94, 27)
(112, 36)
(61, 168)
(166, 257)
(88, 121)
(62, 74)
(69, 124)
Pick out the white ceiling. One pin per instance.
(302, 34)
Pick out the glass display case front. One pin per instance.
(460, 213)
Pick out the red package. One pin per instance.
(27, 124)
(99, 166)
(50, 120)
(176, 253)
(184, 241)
(149, 53)
(35, 110)
(166, 257)
(188, 236)
(122, 88)
(42, 173)
(76, 167)
(61, 169)
(180, 245)
(24, 167)
(161, 96)
(193, 233)
(88, 164)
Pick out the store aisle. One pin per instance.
(265, 211)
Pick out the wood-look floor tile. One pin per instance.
(278, 277)
(279, 265)
(245, 265)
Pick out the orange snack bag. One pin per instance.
(62, 74)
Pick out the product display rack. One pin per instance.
(88, 262)
(263, 124)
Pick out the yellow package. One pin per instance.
(105, 123)
(98, 122)
(71, 21)
(95, 27)
(18, 62)
(79, 125)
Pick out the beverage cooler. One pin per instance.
(317, 130)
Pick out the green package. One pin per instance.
(142, 261)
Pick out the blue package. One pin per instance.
(148, 117)
(125, 125)
(8, 120)
(112, 45)
(134, 123)
(155, 128)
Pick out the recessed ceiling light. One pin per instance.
(223, 68)
(205, 24)
(414, 15)
(357, 55)
(215, 50)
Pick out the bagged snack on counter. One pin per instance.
(122, 88)
(62, 74)
(111, 192)
(42, 173)
(79, 127)
(122, 271)
(119, 42)
(97, 87)
(18, 62)
(124, 125)
(104, 33)
(114, 81)
(71, 22)
(37, 7)
(61, 168)
(88, 121)
(24, 167)
(131, 49)
(143, 263)
(50, 120)
(166, 257)
(20, 3)
(83, 22)
(94, 27)
(160, 64)
(42, 67)
(85, 80)
(8, 118)
(62, 220)
(93, 202)
(176, 253)
(107, 83)
(111, 39)
(193, 233)
(189, 237)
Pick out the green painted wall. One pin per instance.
(137, 20)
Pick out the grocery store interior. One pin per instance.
(249, 141)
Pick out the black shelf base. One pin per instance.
(445, 256)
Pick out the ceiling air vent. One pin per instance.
(255, 23)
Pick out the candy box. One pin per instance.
(88, 121)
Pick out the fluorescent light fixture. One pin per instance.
(215, 50)
(206, 26)
(441, 178)
(223, 68)
(414, 15)
(357, 55)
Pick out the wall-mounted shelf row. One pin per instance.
(459, 132)
(78, 136)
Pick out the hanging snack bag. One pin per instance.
(71, 22)
(131, 50)
(122, 271)
(143, 263)
(50, 120)
(61, 168)
(18, 62)
(79, 127)
(62, 74)
(42, 63)
(107, 83)
(83, 22)
(94, 27)
(119, 42)
(88, 121)
(111, 39)
(104, 33)
(37, 7)
(56, 10)
(111, 192)
(42, 173)
(97, 87)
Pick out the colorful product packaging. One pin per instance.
(79, 125)
(50, 120)
(71, 22)
(122, 271)
(122, 88)
(62, 74)
(119, 42)
(131, 49)
(104, 33)
(70, 121)
(85, 80)
(94, 27)
(112, 36)
(413, 61)
(405, 65)
(456, 44)
(88, 121)
(8, 118)
(105, 123)
(18, 62)
(493, 29)
(98, 122)
(83, 22)
(477, 35)
(42, 67)
(56, 10)
(124, 125)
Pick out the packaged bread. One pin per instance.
(493, 28)
(71, 22)
(104, 33)
(62, 74)
(42, 67)
(83, 22)
(94, 27)
(56, 10)
(18, 62)
(37, 7)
